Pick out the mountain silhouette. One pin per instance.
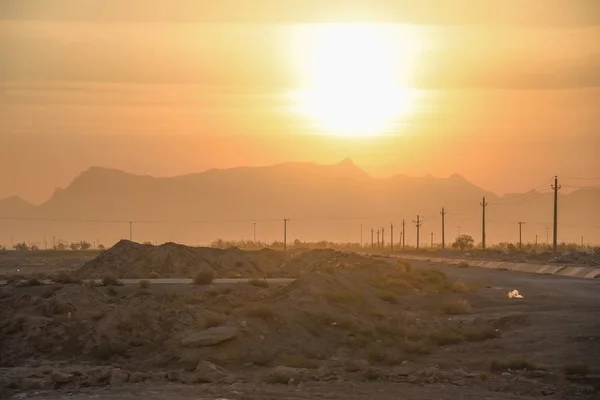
(323, 202)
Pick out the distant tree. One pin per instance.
(147, 242)
(74, 246)
(34, 247)
(21, 246)
(101, 246)
(83, 245)
(297, 243)
(463, 242)
(60, 246)
(511, 247)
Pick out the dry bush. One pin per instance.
(204, 277)
(514, 364)
(299, 361)
(50, 290)
(480, 332)
(347, 298)
(457, 307)
(388, 297)
(65, 278)
(404, 266)
(211, 320)
(576, 369)
(372, 374)
(233, 275)
(107, 349)
(462, 264)
(144, 284)
(154, 275)
(445, 337)
(259, 283)
(110, 280)
(111, 290)
(32, 282)
(260, 311)
(258, 358)
(460, 287)
(421, 346)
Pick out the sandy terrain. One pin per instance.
(416, 334)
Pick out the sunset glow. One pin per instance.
(357, 78)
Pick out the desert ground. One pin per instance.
(339, 326)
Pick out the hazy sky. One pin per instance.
(505, 93)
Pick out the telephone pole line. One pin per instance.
(418, 223)
(382, 245)
(377, 238)
(254, 236)
(483, 204)
(361, 236)
(130, 231)
(372, 241)
(432, 240)
(403, 235)
(285, 220)
(392, 238)
(443, 212)
(556, 186)
(520, 242)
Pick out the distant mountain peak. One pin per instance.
(347, 162)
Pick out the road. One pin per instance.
(171, 281)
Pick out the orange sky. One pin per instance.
(506, 96)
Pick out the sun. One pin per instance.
(355, 77)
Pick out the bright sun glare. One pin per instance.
(356, 77)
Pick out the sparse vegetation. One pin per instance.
(110, 280)
(517, 364)
(463, 242)
(445, 337)
(299, 361)
(212, 319)
(576, 369)
(32, 282)
(456, 307)
(260, 311)
(372, 374)
(259, 283)
(460, 287)
(144, 284)
(462, 264)
(480, 332)
(388, 297)
(204, 277)
(65, 278)
(347, 298)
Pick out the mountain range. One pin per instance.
(323, 202)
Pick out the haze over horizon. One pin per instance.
(505, 96)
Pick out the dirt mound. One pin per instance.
(128, 259)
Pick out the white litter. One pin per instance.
(514, 294)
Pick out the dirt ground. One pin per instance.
(416, 334)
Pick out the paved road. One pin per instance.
(167, 281)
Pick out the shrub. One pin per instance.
(576, 369)
(110, 280)
(106, 349)
(459, 287)
(462, 264)
(260, 311)
(515, 364)
(445, 337)
(65, 278)
(457, 307)
(212, 320)
(299, 361)
(204, 277)
(480, 332)
(372, 374)
(388, 297)
(259, 283)
(348, 298)
(404, 266)
(144, 284)
(33, 282)
(421, 346)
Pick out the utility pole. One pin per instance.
(547, 242)
(555, 234)
(130, 231)
(483, 205)
(392, 238)
(403, 235)
(382, 245)
(443, 212)
(361, 236)
(372, 241)
(377, 238)
(285, 220)
(254, 233)
(582, 241)
(536, 240)
(418, 223)
(432, 240)
(520, 242)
